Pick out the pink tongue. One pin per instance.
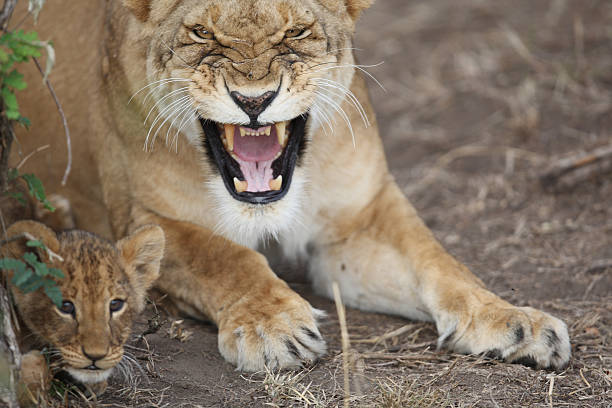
(257, 174)
(255, 156)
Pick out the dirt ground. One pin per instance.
(481, 97)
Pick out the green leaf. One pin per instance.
(37, 190)
(54, 293)
(24, 121)
(19, 197)
(21, 275)
(34, 283)
(13, 174)
(9, 98)
(12, 114)
(40, 268)
(56, 272)
(11, 264)
(34, 243)
(15, 80)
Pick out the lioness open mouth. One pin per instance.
(256, 164)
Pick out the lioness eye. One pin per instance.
(67, 307)
(202, 33)
(116, 305)
(294, 32)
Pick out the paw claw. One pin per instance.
(257, 336)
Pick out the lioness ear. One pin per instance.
(355, 7)
(140, 8)
(142, 252)
(23, 231)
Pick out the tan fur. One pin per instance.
(343, 210)
(96, 272)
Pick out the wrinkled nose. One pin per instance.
(253, 106)
(94, 353)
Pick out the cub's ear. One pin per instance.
(355, 7)
(23, 231)
(142, 252)
(140, 8)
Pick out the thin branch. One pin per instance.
(52, 255)
(345, 343)
(64, 122)
(32, 153)
(7, 12)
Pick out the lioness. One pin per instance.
(103, 290)
(232, 122)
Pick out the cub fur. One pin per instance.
(103, 290)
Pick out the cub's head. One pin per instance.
(248, 82)
(103, 290)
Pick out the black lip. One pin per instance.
(229, 168)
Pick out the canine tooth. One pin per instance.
(240, 185)
(229, 136)
(267, 130)
(280, 132)
(276, 183)
(242, 132)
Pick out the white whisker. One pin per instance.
(183, 124)
(168, 115)
(184, 110)
(340, 111)
(344, 91)
(323, 119)
(162, 113)
(177, 56)
(359, 67)
(180, 90)
(160, 82)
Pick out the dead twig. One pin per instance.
(345, 343)
(386, 336)
(569, 171)
(32, 153)
(64, 122)
(52, 255)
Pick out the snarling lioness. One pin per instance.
(233, 122)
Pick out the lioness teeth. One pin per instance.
(242, 131)
(280, 132)
(229, 137)
(276, 184)
(240, 185)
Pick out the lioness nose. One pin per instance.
(253, 106)
(94, 354)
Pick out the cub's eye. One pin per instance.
(67, 307)
(296, 32)
(116, 305)
(203, 34)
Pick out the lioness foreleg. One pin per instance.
(262, 322)
(385, 259)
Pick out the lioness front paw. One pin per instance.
(275, 331)
(515, 334)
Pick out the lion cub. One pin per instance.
(103, 290)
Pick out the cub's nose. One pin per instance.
(253, 106)
(94, 354)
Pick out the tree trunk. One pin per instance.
(10, 357)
